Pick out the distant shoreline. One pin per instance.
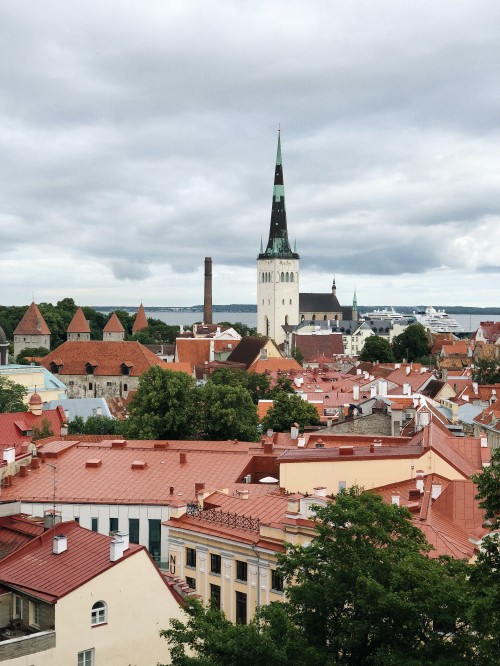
(239, 307)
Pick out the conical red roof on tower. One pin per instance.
(32, 323)
(141, 321)
(79, 324)
(114, 325)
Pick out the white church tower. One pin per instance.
(277, 269)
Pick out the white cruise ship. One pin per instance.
(438, 321)
(384, 313)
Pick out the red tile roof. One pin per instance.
(32, 323)
(140, 321)
(195, 351)
(15, 532)
(314, 346)
(114, 325)
(12, 426)
(36, 570)
(79, 323)
(106, 357)
(274, 365)
(216, 464)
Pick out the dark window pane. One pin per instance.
(94, 526)
(215, 564)
(133, 530)
(215, 595)
(241, 570)
(241, 608)
(154, 546)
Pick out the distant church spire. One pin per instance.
(278, 244)
(355, 301)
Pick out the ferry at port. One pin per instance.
(438, 321)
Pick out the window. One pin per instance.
(91, 386)
(241, 571)
(109, 384)
(77, 519)
(125, 387)
(190, 557)
(215, 596)
(215, 564)
(86, 658)
(241, 608)
(99, 613)
(155, 538)
(71, 382)
(34, 614)
(276, 581)
(133, 530)
(342, 485)
(191, 582)
(18, 607)
(113, 524)
(89, 369)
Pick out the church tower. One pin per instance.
(277, 269)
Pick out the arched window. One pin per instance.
(287, 277)
(291, 277)
(314, 317)
(99, 613)
(325, 318)
(282, 277)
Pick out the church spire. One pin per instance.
(278, 244)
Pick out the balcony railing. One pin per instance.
(225, 518)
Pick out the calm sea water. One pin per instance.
(467, 322)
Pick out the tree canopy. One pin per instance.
(487, 371)
(164, 406)
(362, 592)
(412, 344)
(289, 409)
(12, 396)
(377, 349)
(226, 412)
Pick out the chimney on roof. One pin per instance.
(320, 491)
(484, 441)
(408, 369)
(294, 431)
(171, 492)
(123, 536)
(243, 494)
(269, 432)
(199, 486)
(182, 458)
(355, 392)
(420, 480)
(267, 446)
(406, 388)
(207, 303)
(475, 387)
(59, 544)
(301, 441)
(116, 548)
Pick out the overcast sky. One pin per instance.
(136, 138)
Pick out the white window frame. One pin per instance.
(99, 614)
(17, 609)
(86, 657)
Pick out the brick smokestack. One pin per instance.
(207, 304)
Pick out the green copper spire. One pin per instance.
(278, 245)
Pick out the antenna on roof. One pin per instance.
(54, 470)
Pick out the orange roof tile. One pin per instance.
(140, 321)
(78, 324)
(12, 426)
(114, 325)
(105, 356)
(32, 323)
(195, 351)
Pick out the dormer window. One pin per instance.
(125, 368)
(89, 369)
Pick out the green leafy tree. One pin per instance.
(157, 332)
(240, 328)
(257, 384)
(12, 396)
(298, 355)
(412, 344)
(487, 371)
(364, 591)
(42, 431)
(288, 409)
(488, 489)
(227, 412)
(377, 349)
(485, 580)
(164, 406)
(101, 425)
(22, 357)
(76, 426)
(209, 639)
